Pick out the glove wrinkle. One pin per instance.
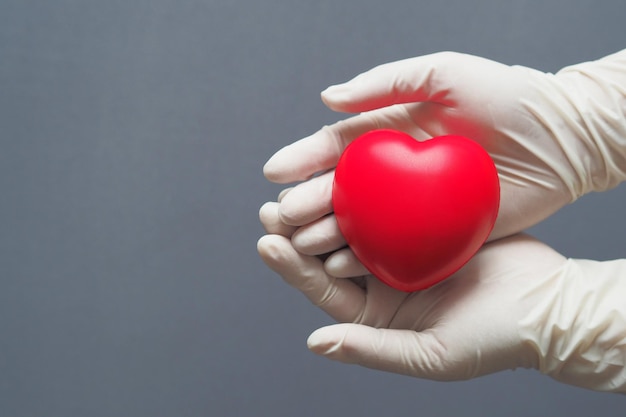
(578, 328)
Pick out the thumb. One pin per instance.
(425, 78)
(407, 352)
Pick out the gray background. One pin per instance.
(132, 139)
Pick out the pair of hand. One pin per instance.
(517, 302)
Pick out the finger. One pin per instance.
(308, 201)
(318, 152)
(406, 352)
(270, 219)
(319, 237)
(344, 264)
(421, 79)
(340, 298)
(321, 151)
(283, 193)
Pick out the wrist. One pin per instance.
(577, 328)
(596, 92)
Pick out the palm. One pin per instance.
(473, 313)
(487, 278)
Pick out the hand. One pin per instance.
(553, 137)
(517, 303)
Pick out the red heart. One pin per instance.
(415, 212)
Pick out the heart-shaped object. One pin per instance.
(415, 212)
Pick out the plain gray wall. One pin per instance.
(132, 139)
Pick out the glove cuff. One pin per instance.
(578, 326)
(596, 92)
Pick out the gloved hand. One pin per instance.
(517, 303)
(553, 137)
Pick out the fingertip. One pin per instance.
(288, 214)
(344, 264)
(344, 342)
(280, 168)
(270, 219)
(336, 97)
(326, 340)
(276, 251)
(265, 209)
(266, 246)
(315, 342)
(283, 193)
(307, 201)
(271, 172)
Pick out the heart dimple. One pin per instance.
(414, 212)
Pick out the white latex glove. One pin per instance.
(517, 303)
(553, 137)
